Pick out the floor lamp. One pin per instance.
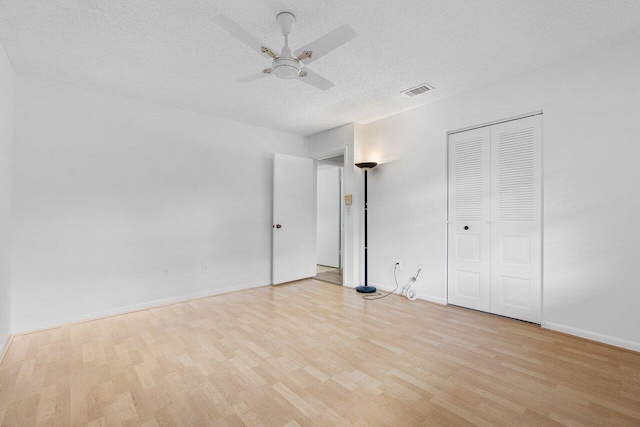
(366, 289)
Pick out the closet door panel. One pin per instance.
(469, 211)
(516, 283)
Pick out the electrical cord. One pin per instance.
(411, 294)
(378, 295)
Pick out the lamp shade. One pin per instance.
(367, 165)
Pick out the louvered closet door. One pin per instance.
(469, 234)
(516, 207)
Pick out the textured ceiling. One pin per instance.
(170, 52)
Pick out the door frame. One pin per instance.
(343, 235)
(491, 123)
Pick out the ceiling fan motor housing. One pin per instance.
(286, 66)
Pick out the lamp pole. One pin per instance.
(366, 288)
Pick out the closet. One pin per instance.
(495, 218)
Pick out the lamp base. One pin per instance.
(366, 289)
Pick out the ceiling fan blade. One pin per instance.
(314, 79)
(264, 73)
(325, 44)
(243, 35)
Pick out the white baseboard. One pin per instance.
(429, 298)
(4, 346)
(593, 336)
(34, 327)
(383, 288)
(435, 300)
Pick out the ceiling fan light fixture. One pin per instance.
(286, 68)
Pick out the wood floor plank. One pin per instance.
(312, 353)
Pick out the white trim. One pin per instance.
(4, 347)
(333, 153)
(446, 223)
(424, 297)
(495, 122)
(35, 327)
(435, 300)
(593, 336)
(341, 151)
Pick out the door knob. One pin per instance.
(466, 227)
(277, 226)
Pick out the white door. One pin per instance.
(495, 219)
(328, 219)
(293, 255)
(469, 213)
(516, 207)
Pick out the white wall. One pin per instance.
(111, 191)
(7, 96)
(328, 215)
(333, 142)
(591, 137)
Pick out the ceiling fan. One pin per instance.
(288, 65)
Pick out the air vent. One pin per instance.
(417, 90)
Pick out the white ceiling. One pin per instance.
(169, 51)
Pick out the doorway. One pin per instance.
(329, 219)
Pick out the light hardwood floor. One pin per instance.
(312, 353)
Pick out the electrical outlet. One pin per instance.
(205, 270)
(398, 265)
(165, 273)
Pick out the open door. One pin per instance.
(294, 251)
